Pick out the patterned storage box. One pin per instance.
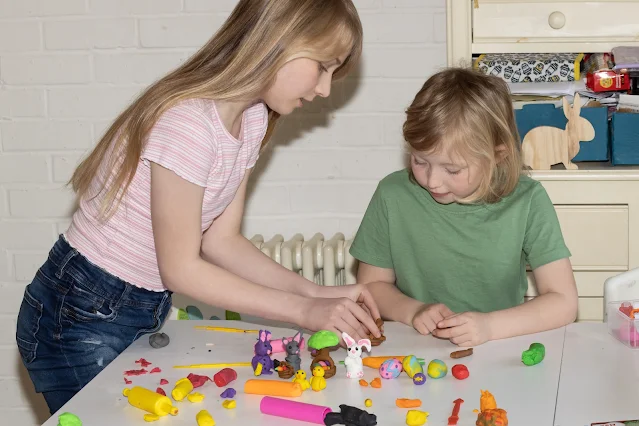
(531, 67)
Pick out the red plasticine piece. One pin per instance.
(155, 370)
(160, 391)
(197, 380)
(127, 381)
(135, 372)
(143, 362)
(452, 420)
(164, 382)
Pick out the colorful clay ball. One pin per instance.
(437, 369)
(460, 371)
(411, 365)
(419, 379)
(390, 369)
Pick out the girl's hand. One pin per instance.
(359, 294)
(465, 329)
(339, 315)
(426, 318)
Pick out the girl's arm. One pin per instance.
(393, 304)
(224, 245)
(176, 213)
(555, 306)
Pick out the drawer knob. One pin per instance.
(557, 20)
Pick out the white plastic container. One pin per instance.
(621, 326)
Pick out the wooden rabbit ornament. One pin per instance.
(545, 146)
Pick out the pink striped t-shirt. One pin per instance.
(190, 140)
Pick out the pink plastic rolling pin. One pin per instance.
(279, 347)
(294, 410)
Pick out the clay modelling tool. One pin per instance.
(454, 418)
(224, 329)
(222, 365)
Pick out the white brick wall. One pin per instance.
(67, 67)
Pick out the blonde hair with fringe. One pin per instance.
(469, 114)
(238, 63)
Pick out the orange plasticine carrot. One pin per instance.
(272, 388)
(408, 403)
(377, 361)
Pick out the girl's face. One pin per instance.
(300, 80)
(446, 179)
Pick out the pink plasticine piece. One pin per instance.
(279, 347)
(135, 372)
(164, 382)
(155, 370)
(295, 410)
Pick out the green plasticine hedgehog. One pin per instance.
(534, 355)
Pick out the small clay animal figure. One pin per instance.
(350, 416)
(353, 363)
(263, 352)
(292, 348)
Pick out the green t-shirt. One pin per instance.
(468, 257)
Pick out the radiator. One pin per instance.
(325, 262)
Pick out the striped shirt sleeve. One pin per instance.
(182, 141)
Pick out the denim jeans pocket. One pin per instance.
(27, 326)
(83, 305)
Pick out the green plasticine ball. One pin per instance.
(437, 369)
(534, 355)
(68, 419)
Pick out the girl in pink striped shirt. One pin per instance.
(161, 200)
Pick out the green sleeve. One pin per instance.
(544, 241)
(372, 241)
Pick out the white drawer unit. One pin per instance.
(541, 26)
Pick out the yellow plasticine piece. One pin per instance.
(229, 404)
(416, 417)
(368, 403)
(149, 401)
(204, 418)
(182, 388)
(258, 369)
(195, 397)
(151, 417)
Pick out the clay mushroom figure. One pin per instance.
(321, 344)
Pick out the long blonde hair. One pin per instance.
(238, 63)
(470, 114)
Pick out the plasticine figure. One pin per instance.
(353, 363)
(318, 382)
(263, 352)
(350, 416)
(300, 377)
(292, 348)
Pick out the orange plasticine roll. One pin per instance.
(408, 403)
(272, 388)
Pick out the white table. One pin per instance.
(599, 378)
(526, 393)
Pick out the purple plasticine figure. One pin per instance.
(263, 352)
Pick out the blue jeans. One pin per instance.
(75, 318)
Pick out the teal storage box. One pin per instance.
(535, 115)
(624, 138)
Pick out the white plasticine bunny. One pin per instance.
(353, 362)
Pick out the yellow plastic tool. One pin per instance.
(182, 388)
(152, 402)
